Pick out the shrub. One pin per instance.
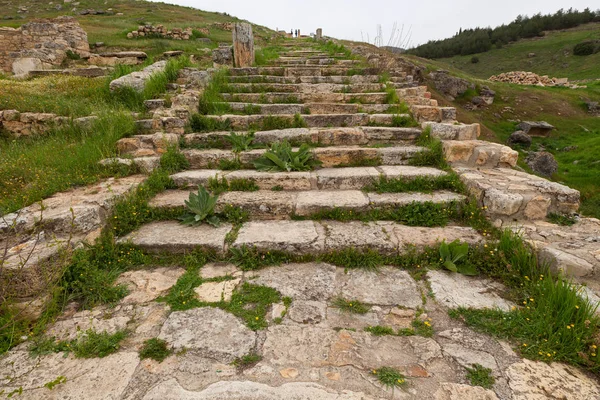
(474, 60)
(584, 48)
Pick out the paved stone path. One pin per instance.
(311, 349)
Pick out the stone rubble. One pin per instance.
(529, 78)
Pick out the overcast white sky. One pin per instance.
(349, 19)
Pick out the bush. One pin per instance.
(474, 60)
(584, 48)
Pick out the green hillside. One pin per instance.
(112, 29)
(553, 56)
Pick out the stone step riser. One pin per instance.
(356, 136)
(323, 179)
(248, 122)
(311, 108)
(303, 71)
(304, 88)
(363, 98)
(270, 205)
(298, 237)
(338, 79)
(328, 156)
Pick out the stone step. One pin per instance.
(329, 156)
(511, 195)
(447, 131)
(479, 154)
(305, 70)
(248, 122)
(366, 135)
(270, 205)
(322, 179)
(303, 88)
(295, 61)
(326, 97)
(298, 237)
(339, 79)
(434, 113)
(310, 108)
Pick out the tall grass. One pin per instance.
(32, 169)
(211, 101)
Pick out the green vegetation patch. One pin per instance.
(155, 349)
(480, 376)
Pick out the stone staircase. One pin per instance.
(311, 349)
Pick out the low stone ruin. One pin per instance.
(121, 57)
(162, 32)
(27, 123)
(41, 44)
(137, 80)
(529, 78)
(449, 85)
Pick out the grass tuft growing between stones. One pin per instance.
(419, 184)
(480, 376)
(433, 156)
(247, 361)
(390, 377)
(211, 101)
(88, 344)
(202, 123)
(155, 349)
(218, 186)
(562, 219)
(350, 306)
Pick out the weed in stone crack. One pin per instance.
(247, 361)
(350, 306)
(480, 376)
(251, 303)
(173, 161)
(277, 188)
(250, 258)
(562, 219)
(422, 328)
(353, 258)
(211, 101)
(202, 123)
(229, 165)
(234, 214)
(380, 330)
(88, 344)
(390, 377)
(418, 184)
(240, 142)
(432, 156)
(155, 349)
(218, 186)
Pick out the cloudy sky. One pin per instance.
(358, 19)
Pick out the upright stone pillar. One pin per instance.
(319, 35)
(243, 45)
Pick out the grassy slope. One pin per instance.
(554, 56)
(561, 107)
(112, 29)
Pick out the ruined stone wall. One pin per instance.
(161, 31)
(19, 124)
(41, 44)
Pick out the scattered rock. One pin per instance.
(450, 85)
(529, 78)
(137, 80)
(538, 128)
(542, 162)
(520, 138)
(223, 55)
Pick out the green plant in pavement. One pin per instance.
(281, 158)
(452, 253)
(201, 208)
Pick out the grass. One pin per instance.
(155, 349)
(350, 306)
(419, 184)
(218, 186)
(380, 330)
(30, 170)
(563, 220)
(390, 377)
(211, 101)
(480, 376)
(202, 123)
(247, 361)
(88, 344)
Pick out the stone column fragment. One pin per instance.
(243, 45)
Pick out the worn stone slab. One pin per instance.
(268, 180)
(385, 287)
(445, 131)
(535, 380)
(310, 281)
(94, 378)
(291, 236)
(214, 292)
(178, 238)
(210, 332)
(198, 177)
(403, 199)
(408, 172)
(247, 390)
(458, 391)
(345, 178)
(310, 202)
(217, 270)
(356, 234)
(147, 285)
(137, 80)
(456, 290)
(421, 237)
(480, 154)
(307, 312)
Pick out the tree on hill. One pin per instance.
(479, 40)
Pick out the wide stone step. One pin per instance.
(511, 195)
(322, 179)
(447, 131)
(305, 70)
(366, 135)
(269, 205)
(304, 88)
(306, 79)
(325, 97)
(329, 156)
(294, 61)
(249, 122)
(298, 237)
(309, 108)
